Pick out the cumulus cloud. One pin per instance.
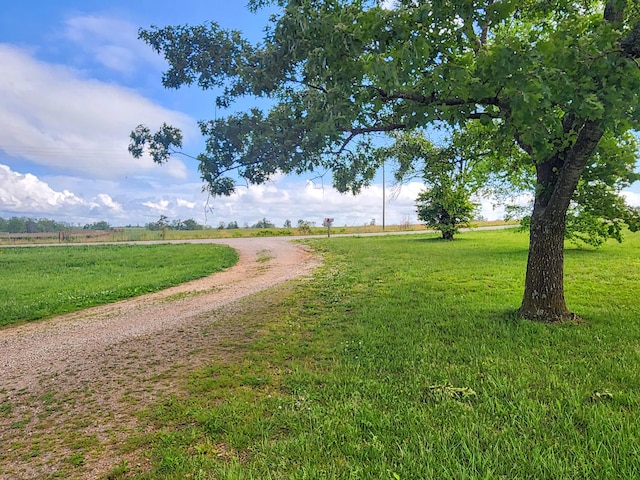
(308, 201)
(161, 206)
(27, 195)
(21, 193)
(51, 115)
(185, 203)
(108, 202)
(287, 199)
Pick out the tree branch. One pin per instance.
(574, 163)
(614, 13)
(524, 146)
(354, 132)
(485, 29)
(300, 82)
(432, 99)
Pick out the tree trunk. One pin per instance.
(557, 179)
(544, 285)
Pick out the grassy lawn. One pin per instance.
(403, 359)
(41, 282)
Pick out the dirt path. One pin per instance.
(56, 372)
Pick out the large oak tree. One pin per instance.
(550, 77)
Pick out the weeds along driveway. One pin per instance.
(79, 365)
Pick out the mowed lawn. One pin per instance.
(39, 282)
(404, 359)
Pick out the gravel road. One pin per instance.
(108, 350)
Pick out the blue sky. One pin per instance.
(76, 80)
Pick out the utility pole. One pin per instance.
(383, 197)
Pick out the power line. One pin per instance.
(71, 152)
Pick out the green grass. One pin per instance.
(39, 282)
(403, 359)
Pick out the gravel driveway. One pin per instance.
(86, 361)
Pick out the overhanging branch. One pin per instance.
(433, 99)
(354, 132)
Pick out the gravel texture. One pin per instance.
(81, 365)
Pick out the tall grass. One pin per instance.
(39, 282)
(404, 360)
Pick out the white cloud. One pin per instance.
(185, 203)
(22, 193)
(300, 200)
(27, 195)
(52, 116)
(287, 199)
(161, 206)
(632, 198)
(108, 202)
(111, 42)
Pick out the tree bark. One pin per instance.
(557, 179)
(543, 298)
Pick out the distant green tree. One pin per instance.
(46, 225)
(453, 173)
(264, 223)
(102, 225)
(445, 208)
(232, 225)
(161, 225)
(287, 224)
(16, 225)
(31, 226)
(304, 226)
(191, 224)
(176, 225)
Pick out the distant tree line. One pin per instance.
(229, 226)
(264, 223)
(163, 223)
(31, 225)
(44, 225)
(102, 225)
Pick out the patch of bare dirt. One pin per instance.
(68, 385)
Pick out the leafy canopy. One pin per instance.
(335, 72)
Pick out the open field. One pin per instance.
(134, 234)
(402, 359)
(41, 282)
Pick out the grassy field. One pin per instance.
(403, 359)
(134, 234)
(40, 282)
